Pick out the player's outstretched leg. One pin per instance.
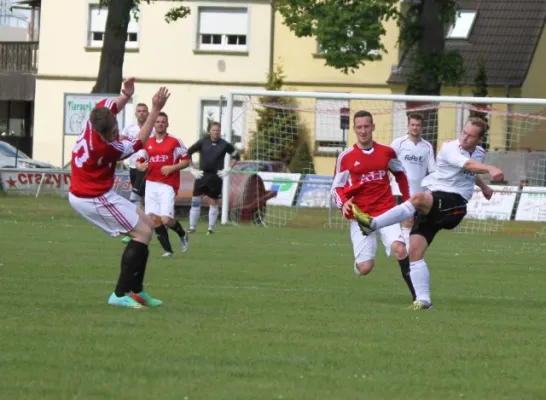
(195, 212)
(163, 238)
(213, 216)
(182, 234)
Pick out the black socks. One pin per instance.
(405, 270)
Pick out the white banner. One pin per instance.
(284, 184)
(78, 106)
(532, 206)
(499, 207)
(27, 182)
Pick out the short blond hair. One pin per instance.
(480, 123)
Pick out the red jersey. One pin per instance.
(94, 159)
(363, 174)
(159, 153)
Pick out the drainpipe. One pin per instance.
(272, 38)
(509, 121)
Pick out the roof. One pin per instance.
(505, 34)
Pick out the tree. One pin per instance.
(481, 90)
(278, 127)
(348, 30)
(110, 76)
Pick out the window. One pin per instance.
(329, 137)
(464, 21)
(223, 29)
(210, 112)
(97, 25)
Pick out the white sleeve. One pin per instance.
(395, 165)
(127, 147)
(125, 131)
(142, 154)
(451, 155)
(431, 162)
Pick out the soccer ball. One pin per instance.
(239, 146)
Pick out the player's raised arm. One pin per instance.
(158, 102)
(127, 92)
(397, 169)
(459, 160)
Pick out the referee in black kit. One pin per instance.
(208, 178)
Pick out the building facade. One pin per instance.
(220, 45)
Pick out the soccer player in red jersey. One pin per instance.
(163, 157)
(361, 178)
(94, 159)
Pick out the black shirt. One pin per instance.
(212, 154)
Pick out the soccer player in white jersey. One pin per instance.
(131, 132)
(443, 206)
(136, 177)
(417, 157)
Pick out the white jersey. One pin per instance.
(131, 131)
(417, 159)
(449, 175)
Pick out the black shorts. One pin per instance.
(210, 184)
(138, 181)
(447, 212)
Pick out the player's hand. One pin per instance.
(142, 166)
(160, 98)
(224, 172)
(487, 192)
(197, 174)
(128, 86)
(496, 174)
(347, 208)
(167, 170)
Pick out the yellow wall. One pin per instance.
(531, 134)
(302, 66)
(165, 55)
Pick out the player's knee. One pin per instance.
(142, 232)
(196, 202)
(167, 221)
(364, 267)
(399, 250)
(156, 220)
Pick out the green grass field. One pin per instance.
(256, 313)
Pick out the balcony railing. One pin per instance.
(19, 57)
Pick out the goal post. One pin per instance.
(291, 139)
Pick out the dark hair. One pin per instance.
(103, 120)
(363, 113)
(214, 123)
(142, 105)
(415, 116)
(162, 114)
(480, 123)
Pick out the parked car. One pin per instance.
(260, 166)
(11, 157)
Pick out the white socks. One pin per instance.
(195, 212)
(420, 278)
(213, 215)
(395, 215)
(406, 234)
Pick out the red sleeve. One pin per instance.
(110, 104)
(341, 176)
(397, 169)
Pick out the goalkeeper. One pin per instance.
(208, 178)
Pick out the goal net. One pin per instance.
(290, 142)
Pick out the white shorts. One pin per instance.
(159, 199)
(365, 247)
(110, 212)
